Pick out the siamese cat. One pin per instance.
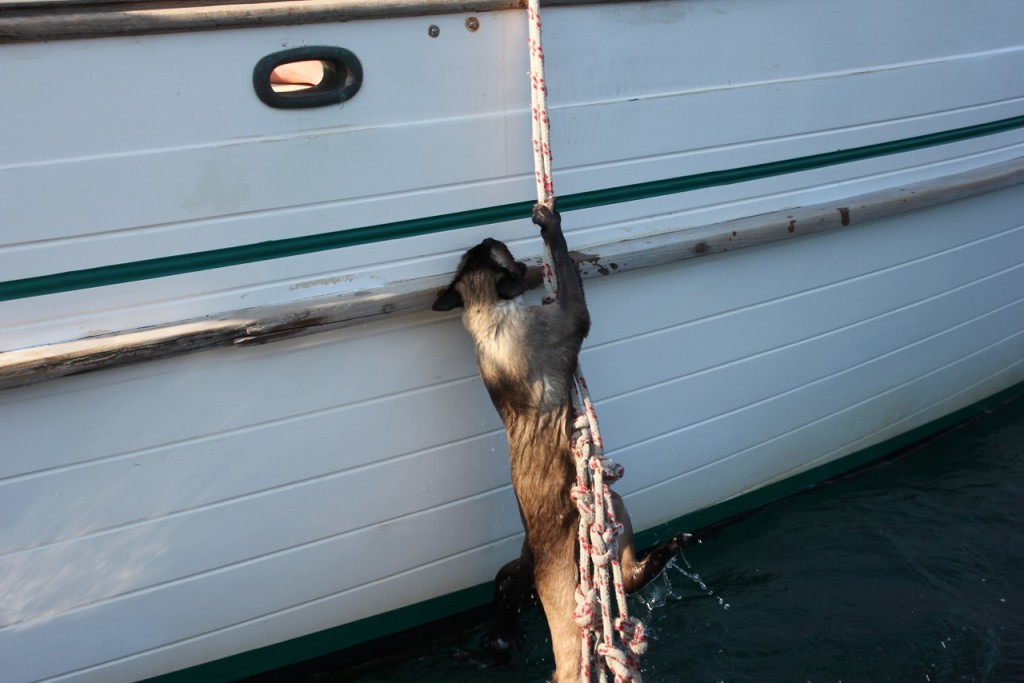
(527, 357)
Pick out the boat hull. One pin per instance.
(351, 478)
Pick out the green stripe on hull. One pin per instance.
(350, 635)
(297, 246)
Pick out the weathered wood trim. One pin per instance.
(268, 324)
(22, 21)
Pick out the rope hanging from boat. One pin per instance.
(613, 644)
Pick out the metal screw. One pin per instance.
(472, 23)
(433, 31)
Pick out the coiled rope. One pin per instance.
(609, 643)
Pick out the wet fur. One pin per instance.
(527, 357)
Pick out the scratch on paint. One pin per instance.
(322, 282)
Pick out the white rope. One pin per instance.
(615, 644)
(539, 105)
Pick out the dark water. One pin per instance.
(912, 570)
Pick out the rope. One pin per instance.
(613, 644)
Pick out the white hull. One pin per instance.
(167, 514)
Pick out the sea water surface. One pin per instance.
(911, 570)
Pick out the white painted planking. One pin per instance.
(310, 617)
(316, 446)
(280, 445)
(482, 117)
(199, 604)
(825, 420)
(306, 512)
(219, 66)
(797, 299)
(164, 236)
(973, 379)
(709, 443)
(719, 284)
(204, 83)
(88, 321)
(345, 437)
(214, 393)
(801, 46)
(807, 321)
(199, 186)
(734, 423)
(77, 314)
(239, 193)
(300, 277)
(956, 385)
(711, 47)
(716, 394)
(247, 452)
(870, 392)
(133, 493)
(211, 193)
(291, 433)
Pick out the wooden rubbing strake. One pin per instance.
(38, 20)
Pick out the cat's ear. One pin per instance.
(447, 300)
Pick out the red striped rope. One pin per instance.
(615, 644)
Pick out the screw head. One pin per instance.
(434, 31)
(472, 23)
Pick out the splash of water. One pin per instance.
(690, 573)
(666, 589)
